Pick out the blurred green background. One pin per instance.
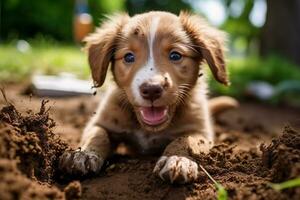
(264, 42)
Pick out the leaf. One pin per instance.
(221, 193)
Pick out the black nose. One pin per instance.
(151, 91)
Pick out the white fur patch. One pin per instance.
(149, 70)
(153, 29)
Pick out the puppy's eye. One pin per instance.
(129, 58)
(175, 56)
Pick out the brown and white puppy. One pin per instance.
(159, 101)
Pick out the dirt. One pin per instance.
(73, 190)
(15, 185)
(255, 145)
(29, 153)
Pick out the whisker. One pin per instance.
(183, 93)
(124, 104)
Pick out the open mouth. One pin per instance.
(154, 115)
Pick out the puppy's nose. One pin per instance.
(151, 91)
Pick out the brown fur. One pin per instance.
(188, 125)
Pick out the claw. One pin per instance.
(176, 169)
(160, 163)
(80, 162)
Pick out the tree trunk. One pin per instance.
(281, 32)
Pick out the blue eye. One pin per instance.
(175, 56)
(129, 58)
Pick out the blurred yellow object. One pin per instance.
(83, 22)
(82, 26)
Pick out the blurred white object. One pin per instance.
(23, 46)
(261, 90)
(65, 84)
(85, 18)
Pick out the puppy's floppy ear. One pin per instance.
(100, 46)
(209, 42)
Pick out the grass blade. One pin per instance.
(221, 191)
(287, 184)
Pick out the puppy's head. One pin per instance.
(155, 59)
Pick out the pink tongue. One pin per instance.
(153, 115)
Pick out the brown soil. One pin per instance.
(29, 149)
(252, 150)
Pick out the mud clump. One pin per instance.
(73, 190)
(29, 153)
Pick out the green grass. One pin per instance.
(42, 58)
(279, 72)
(244, 70)
(287, 184)
(48, 57)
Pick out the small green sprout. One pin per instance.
(221, 191)
(287, 184)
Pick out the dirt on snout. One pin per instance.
(252, 150)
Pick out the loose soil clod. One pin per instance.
(73, 190)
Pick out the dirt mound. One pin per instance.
(30, 139)
(282, 157)
(244, 174)
(29, 153)
(247, 174)
(14, 185)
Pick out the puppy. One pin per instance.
(158, 102)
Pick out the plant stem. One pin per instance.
(221, 192)
(209, 176)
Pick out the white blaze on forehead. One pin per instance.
(151, 37)
(149, 70)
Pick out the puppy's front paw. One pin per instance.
(176, 169)
(80, 163)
